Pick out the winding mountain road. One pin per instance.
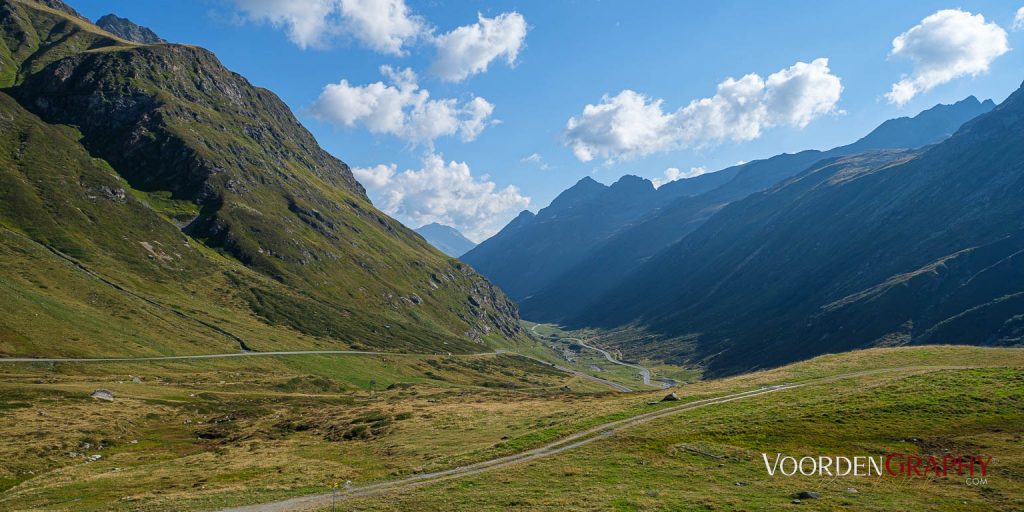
(583, 375)
(645, 373)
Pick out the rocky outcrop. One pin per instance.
(125, 29)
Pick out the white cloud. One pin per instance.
(673, 174)
(631, 124)
(447, 193)
(374, 177)
(469, 49)
(382, 25)
(1018, 20)
(389, 26)
(946, 45)
(401, 108)
(537, 160)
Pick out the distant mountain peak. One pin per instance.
(928, 127)
(583, 190)
(525, 214)
(446, 239)
(633, 182)
(128, 30)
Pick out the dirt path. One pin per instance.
(568, 443)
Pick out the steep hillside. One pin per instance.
(887, 248)
(612, 260)
(219, 164)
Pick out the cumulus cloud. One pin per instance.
(631, 124)
(469, 49)
(1018, 20)
(442, 192)
(382, 25)
(673, 174)
(946, 45)
(389, 26)
(537, 160)
(402, 109)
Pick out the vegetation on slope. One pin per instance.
(185, 188)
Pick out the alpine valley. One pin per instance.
(203, 308)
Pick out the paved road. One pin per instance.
(614, 385)
(568, 443)
(645, 374)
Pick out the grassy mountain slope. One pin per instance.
(877, 249)
(181, 177)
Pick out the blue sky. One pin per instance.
(475, 133)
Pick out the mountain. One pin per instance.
(446, 239)
(533, 250)
(149, 187)
(125, 29)
(883, 248)
(614, 258)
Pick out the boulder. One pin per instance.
(671, 397)
(808, 495)
(103, 394)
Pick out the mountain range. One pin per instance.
(657, 261)
(446, 239)
(155, 183)
(591, 235)
(883, 248)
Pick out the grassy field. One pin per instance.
(710, 458)
(200, 435)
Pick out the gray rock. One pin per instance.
(808, 495)
(671, 397)
(103, 394)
